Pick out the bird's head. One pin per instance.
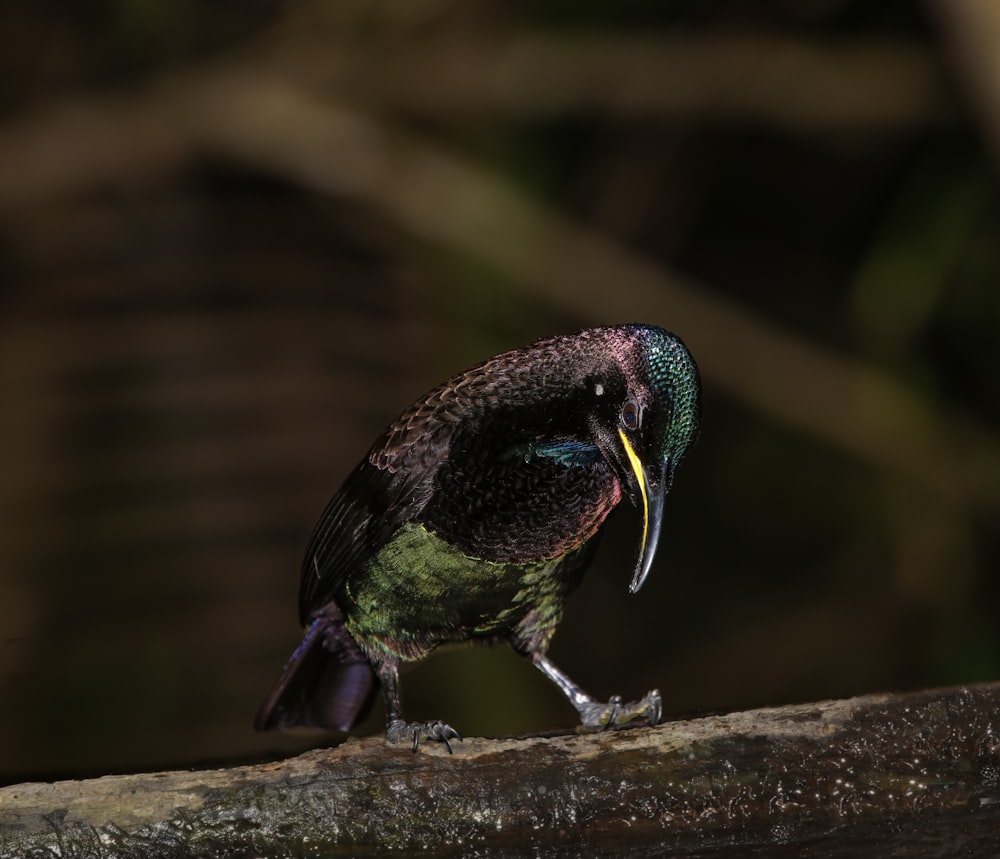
(645, 419)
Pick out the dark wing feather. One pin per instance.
(390, 487)
(341, 540)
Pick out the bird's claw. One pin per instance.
(404, 732)
(614, 713)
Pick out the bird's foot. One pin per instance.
(405, 732)
(614, 713)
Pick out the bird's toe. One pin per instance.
(615, 713)
(413, 732)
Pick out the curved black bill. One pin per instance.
(652, 492)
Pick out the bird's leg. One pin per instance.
(398, 731)
(597, 714)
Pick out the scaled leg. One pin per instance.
(398, 731)
(597, 714)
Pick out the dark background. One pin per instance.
(237, 239)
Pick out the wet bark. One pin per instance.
(917, 773)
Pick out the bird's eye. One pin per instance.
(630, 415)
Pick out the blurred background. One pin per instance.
(237, 239)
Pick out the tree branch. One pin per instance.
(916, 773)
(789, 82)
(972, 29)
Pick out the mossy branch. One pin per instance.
(917, 773)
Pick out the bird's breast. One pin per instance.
(520, 509)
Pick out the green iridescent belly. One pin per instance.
(419, 592)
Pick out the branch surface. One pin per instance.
(917, 772)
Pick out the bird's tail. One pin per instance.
(327, 682)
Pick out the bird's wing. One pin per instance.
(388, 488)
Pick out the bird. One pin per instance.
(474, 515)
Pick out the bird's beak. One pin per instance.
(652, 490)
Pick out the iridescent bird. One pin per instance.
(475, 514)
